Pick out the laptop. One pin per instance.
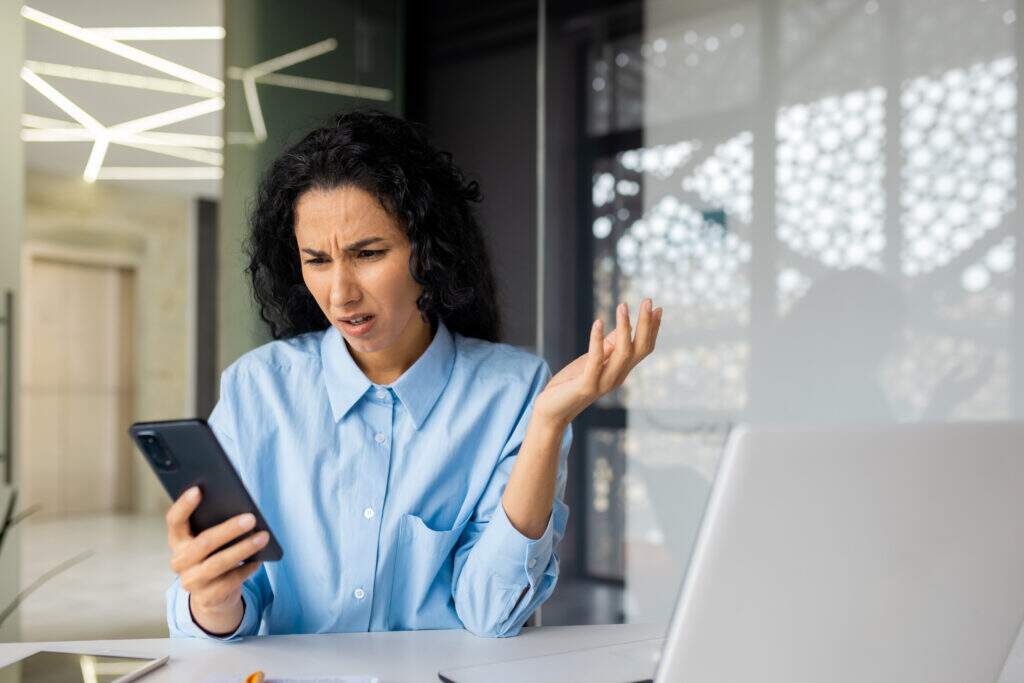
(846, 554)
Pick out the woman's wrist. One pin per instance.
(218, 622)
(546, 429)
(531, 485)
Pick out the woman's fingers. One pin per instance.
(229, 558)
(605, 365)
(573, 369)
(618, 363)
(595, 357)
(624, 341)
(210, 576)
(609, 342)
(657, 327)
(209, 541)
(629, 352)
(222, 562)
(579, 366)
(178, 530)
(644, 332)
(226, 587)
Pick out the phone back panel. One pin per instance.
(200, 461)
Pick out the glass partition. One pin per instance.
(822, 195)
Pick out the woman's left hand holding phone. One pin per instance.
(212, 577)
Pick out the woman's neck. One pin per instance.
(384, 367)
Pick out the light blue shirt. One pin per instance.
(385, 499)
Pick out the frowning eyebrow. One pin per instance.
(355, 246)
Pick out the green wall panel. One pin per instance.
(369, 40)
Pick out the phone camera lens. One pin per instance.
(155, 451)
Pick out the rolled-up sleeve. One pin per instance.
(181, 624)
(501, 576)
(256, 592)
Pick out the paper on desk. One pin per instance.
(315, 679)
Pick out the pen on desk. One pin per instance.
(254, 677)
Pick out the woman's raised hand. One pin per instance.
(605, 365)
(212, 576)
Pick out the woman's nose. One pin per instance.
(344, 288)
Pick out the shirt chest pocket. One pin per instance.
(421, 588)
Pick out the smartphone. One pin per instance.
(186, 453)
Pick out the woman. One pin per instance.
(411, 466)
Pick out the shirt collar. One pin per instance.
(418, 388)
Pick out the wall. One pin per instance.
(473, 83)
(368, 53)
(154, 228)
(11, 192)
(472, 80)
(484, 112)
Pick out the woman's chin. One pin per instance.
(368, 344)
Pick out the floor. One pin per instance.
(118, 592)
(579, 601)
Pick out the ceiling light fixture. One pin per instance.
(81, 73)
(264, 72)
(138, 33)
(365, 92)
(137, 133)
(61, 101)
(180, 139)
(127, 51)
(123, 133)
(139, 141)
(34, 121)
(56, 130)
(203, 156)
(79, 134)
(249, 75)
(102, 140)
(161, 173)
(166, 118)
(96, 156)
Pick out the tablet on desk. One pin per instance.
(64, 667)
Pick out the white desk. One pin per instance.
(402, 656)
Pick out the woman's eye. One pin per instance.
(315, 260)
(370, 253)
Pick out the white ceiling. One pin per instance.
(111, 104)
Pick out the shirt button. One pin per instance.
(381, 394)
(533, 563)
(359, 593)
(380, 438)
(368, 513)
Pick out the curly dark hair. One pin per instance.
(416, 183)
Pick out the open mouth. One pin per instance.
(358, 324)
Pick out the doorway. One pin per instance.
(76, 380)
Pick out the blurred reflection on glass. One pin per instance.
(821, 193)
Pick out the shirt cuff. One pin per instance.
(514, 557)
(187, 625)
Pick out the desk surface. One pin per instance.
(401, 656)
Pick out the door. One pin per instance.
(76, 386)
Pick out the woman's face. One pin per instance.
(355, 262)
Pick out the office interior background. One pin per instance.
(821, 193)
